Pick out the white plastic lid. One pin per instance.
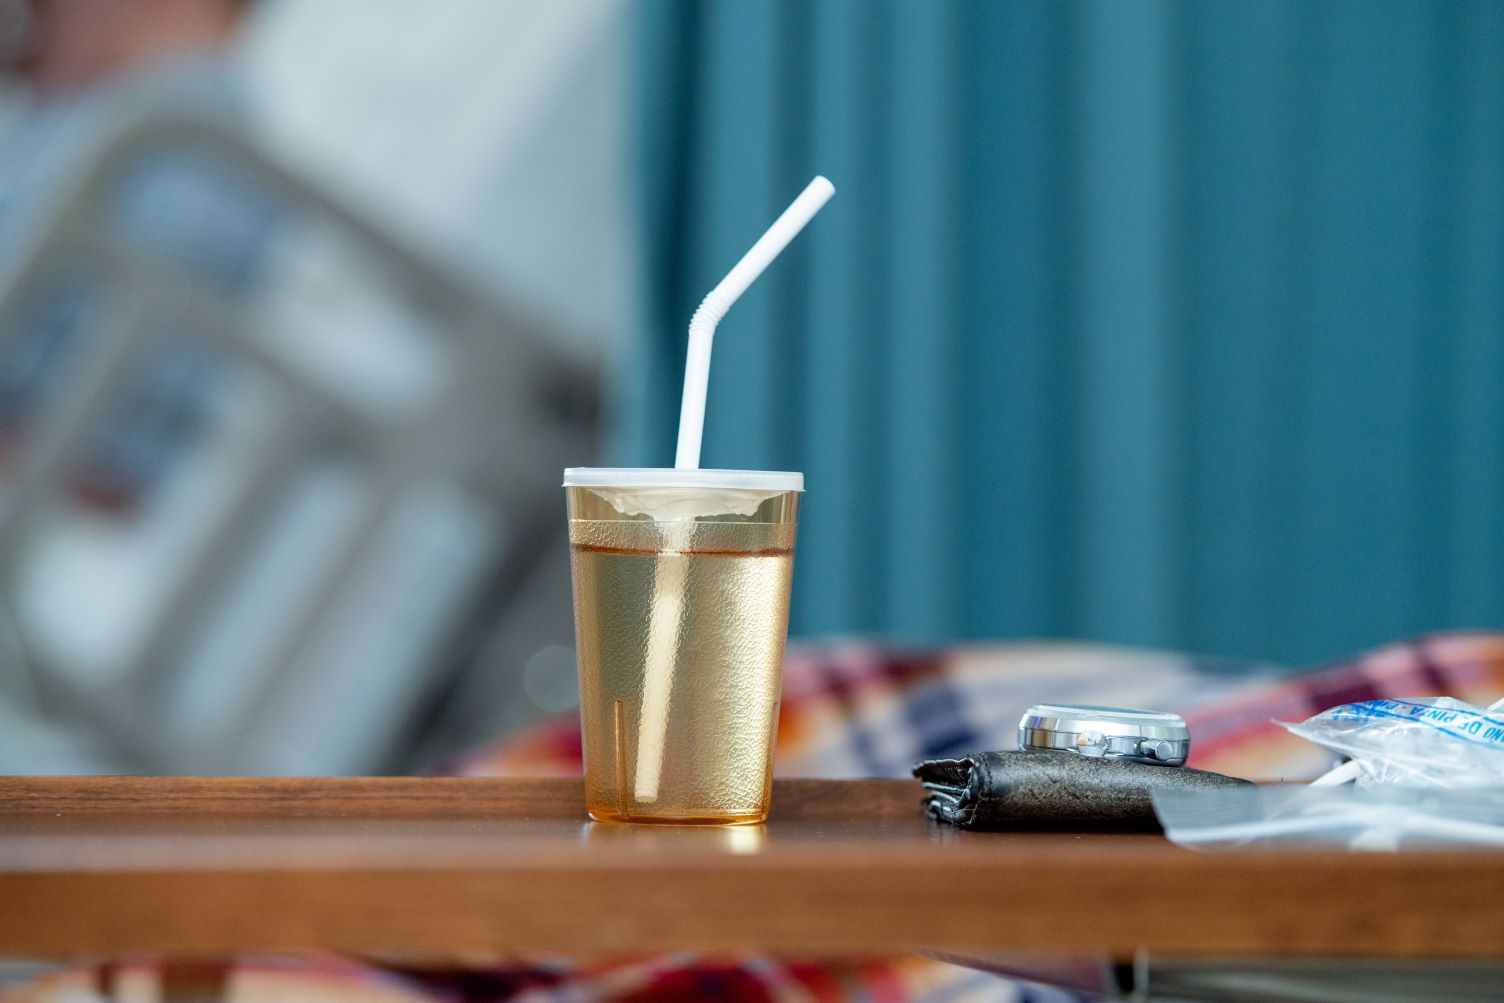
(670, 477)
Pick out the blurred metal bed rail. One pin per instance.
(514, 408)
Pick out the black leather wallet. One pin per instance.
(1039, 790)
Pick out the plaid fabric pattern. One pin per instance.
(854, 709)
(670, 978)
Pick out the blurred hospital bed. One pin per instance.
(282, 496)
(242, 523)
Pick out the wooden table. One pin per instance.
(444, 868)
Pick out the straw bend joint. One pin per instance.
(708, 315)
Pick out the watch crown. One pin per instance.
(1160, 750)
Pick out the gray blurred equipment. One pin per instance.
(1147, 979)
(267, 479)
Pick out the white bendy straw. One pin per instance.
(703, 324)
(671, 568)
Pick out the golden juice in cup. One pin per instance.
(681, 595)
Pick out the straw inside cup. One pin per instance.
(669, 573)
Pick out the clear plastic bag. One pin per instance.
(1419, 742)
(1424, 772)
(1334, 816)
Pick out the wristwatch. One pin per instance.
(1140, 736)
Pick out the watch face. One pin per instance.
(1084, 711)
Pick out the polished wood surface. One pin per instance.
(445, 868)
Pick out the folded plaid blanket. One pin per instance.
(854, 709)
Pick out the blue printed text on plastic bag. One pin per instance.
(1430, 741)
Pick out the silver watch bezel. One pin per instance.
(1127, 733)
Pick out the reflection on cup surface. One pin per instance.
(740, 840)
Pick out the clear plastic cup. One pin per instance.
(681, 601)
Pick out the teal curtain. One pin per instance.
(1168, 323)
